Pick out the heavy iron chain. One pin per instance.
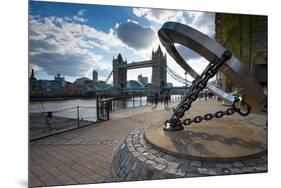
(192, 94)
(218, 114)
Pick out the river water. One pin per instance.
(87, 107)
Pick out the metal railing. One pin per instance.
(49, 122)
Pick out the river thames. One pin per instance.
(87, 107)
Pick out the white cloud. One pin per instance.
(58, 44)
(202, 21)
(72, 41)
(80, 19)
(159, 16)
(81, 12)
(79, 16)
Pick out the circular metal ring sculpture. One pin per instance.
(233, 69)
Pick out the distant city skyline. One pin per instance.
(75, 39)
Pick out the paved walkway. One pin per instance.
(85, 155)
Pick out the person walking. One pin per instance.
(206, 94)
(156, 97)
(166, 97)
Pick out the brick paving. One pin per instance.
(85, 155)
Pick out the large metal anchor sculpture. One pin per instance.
(252, 97)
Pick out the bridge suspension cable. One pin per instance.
(175, 75)
(106, 80)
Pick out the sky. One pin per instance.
(75, 39)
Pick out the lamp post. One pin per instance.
(185, 75)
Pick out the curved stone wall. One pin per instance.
(135, 159)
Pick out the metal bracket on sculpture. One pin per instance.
(233, 69)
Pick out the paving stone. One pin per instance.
(191, 169)
(127, 168)
(135, 154)
(129, 176)
(183, 167)
(225, 170)
(206, 171)
(259, 161)
(184, 162)
(138, 170)
(223, 165)
(249, 163)
(208, 164)
(260, 168)
(160, 154)
(150, 163)
(264, 157)
(160, 167)
(173, 165)
(131, 149)
(141, 149)
(147, 146)
(236, 170)
(180, 173)
(196, 163)
(161, 160)
(143, 142)
(154, 151)
(137, 145)
(149, 174)
(142, 158)
(169, 157)
(129, 144)
(149, 156)
(170, 170)
(134, 166)
(123, 176)
(238, 164)
(248, 169)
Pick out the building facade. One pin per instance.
(143, 80)
(246, 37)
(57, 87)
(95, 75)
(159, 69)
(119, 75)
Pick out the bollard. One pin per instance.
(78, 122)
(98, 108)
(107, 110)
(133, 101)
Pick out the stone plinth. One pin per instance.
(217, 140)
(136, 159)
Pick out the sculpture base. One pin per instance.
(136, 159)
(216, 140)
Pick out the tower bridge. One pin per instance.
(158, 63)
(159, 73)
(136, 65)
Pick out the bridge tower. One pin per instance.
(119, 75)
(159, 71)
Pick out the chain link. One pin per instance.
(218, 114)
(192, 94)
